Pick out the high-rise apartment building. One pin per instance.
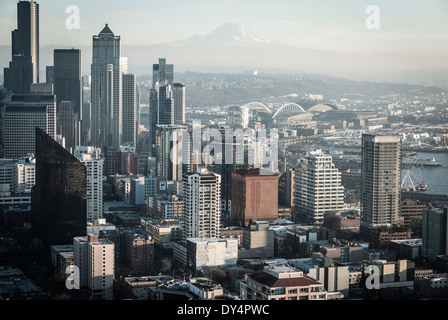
(380, 180)
(318, 188)
(202, 204)
(91, 158)
(58, 199)
(21, 115)
(23, 69)
(95, 258)
(106, 90)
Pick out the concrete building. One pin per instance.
(258, 241)
(91, 158)
(432, 285)
(165, 206)
(392, 274)
(95, 259)
(138, 252)
(202, 204)
(254, 196)
(281, 283)
(318, 188)
(334, 276)
(380, 180)
(21, 115)
(203, 252)
(434, 233)
(164, 232)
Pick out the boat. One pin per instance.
(430, 162)
(426, 162)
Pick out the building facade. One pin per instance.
(202, 204)
(380, 180)
(318, 188)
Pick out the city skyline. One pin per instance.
(410, 36)
(275, 178)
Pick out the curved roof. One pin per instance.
(288, 107)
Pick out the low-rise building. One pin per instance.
(281, 282)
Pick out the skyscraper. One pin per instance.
(58, 199)
(91, 158)
(162, 73)
(106, 90)
(202, 204)
(161, 109)
(22, 114)
(68, 89)
(179, 103)
(129, 109)
(380, 180)
(318, 188)
(170, 144)
(24, 66)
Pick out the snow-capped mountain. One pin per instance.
(228, 34)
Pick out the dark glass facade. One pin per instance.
(58, 199)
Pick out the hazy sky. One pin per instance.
(417, 27)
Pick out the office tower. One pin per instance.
(434, 233)
(106, 90)
(162, 73)
(318, 188)
(49, 75)
(23, 69)
(171, 140)
(91, 158)
(380, 180)
(202, 204)
(67, 125)
(179, 103)
(22, 114)
(95, 259)
(58, 199)
(254, 196)
(67, 77)
(129, 109)
(68, 89)
(161, 106)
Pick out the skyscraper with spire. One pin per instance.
(106, 90)
(23, 68)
